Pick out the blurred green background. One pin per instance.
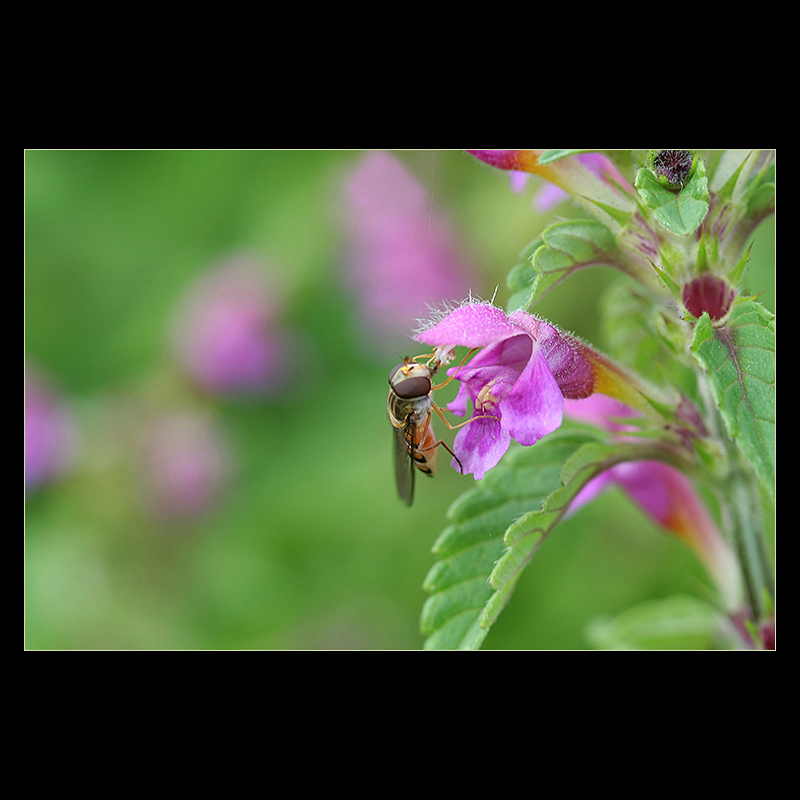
(305, 545)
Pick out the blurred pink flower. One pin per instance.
(227, 333)
(183, 466)
(50, 431)
(402, 256)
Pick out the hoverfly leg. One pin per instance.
(453, 428)
(460, 424)
(443, 443)
(463, 361)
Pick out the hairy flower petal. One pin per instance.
(521, 377)
(568, 358)
(469, 325)
(516, 383)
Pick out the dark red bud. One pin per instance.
(710, 293)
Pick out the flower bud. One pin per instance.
(673, 167)
(708, 292)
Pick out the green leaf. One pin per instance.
(739, 357)
(679, 212)
(675, 623)
(723, 168)
(761, 198)
(757, 192)
(521, 278)
(526, 496)
(524, 537)
(472, 544)
(568, 247)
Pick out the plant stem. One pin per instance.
(742, 517)
(745, 524)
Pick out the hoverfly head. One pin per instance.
(410, 380)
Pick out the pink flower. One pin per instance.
(402, 256)
(50, 431)
(227, 334)
(516, 384)
(184, 466)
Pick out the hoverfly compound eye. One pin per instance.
(410, 381)
(412, 387)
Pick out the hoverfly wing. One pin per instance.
(404, 471)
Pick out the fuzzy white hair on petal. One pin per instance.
(447, 307)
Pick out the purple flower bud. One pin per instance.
(673, 167)
(767, 633)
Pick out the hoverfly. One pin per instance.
(410, 403)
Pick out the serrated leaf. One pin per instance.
(568, 247)
(472, 544)
(520, 277)
(498, 526)
(739, 357)
(679, 212)
(526, 534)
